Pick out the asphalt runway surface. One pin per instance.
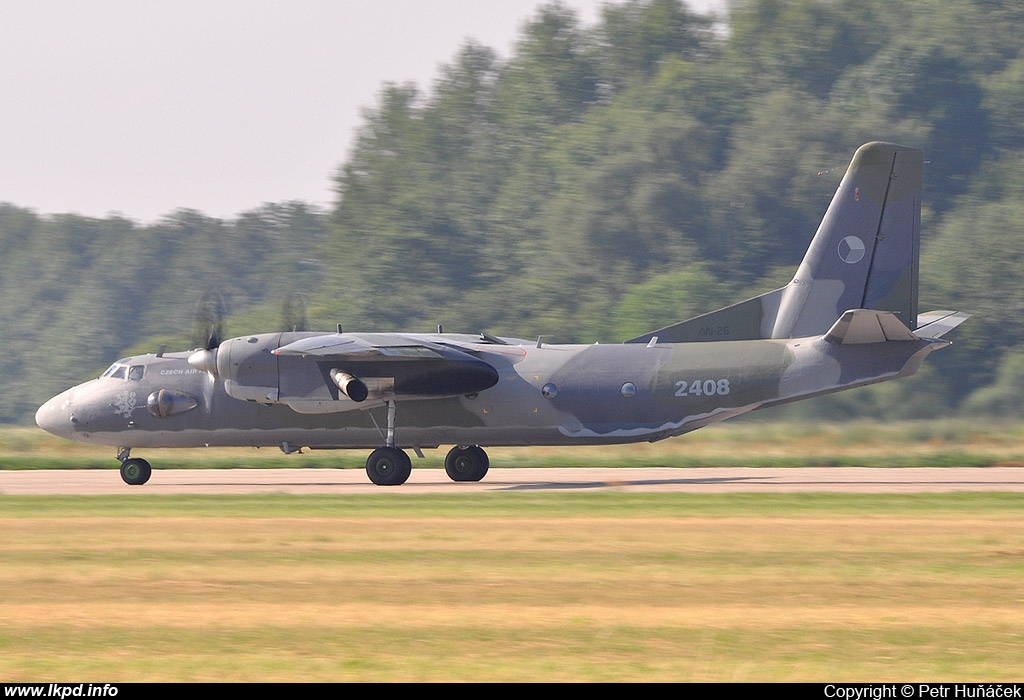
(550, 479)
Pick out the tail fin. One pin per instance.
(865, 253)
(863, 256)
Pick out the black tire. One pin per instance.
(466, 463)
(135, 472)
(388, 466)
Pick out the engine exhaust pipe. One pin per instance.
(352, 387)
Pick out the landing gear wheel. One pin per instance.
(388, 466)
(466, 463)
(135, 471)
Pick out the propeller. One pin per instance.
(206, 358)
(208, 320)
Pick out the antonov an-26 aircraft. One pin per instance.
(848, 318)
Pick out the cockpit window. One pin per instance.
(115, 371)
(132, 373)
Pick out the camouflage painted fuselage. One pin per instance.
(849, 317)
(544, 395)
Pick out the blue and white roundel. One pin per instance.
(851, 250)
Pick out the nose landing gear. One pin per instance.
(134, 471)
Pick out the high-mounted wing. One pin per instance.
(327, 373)
(359, 347)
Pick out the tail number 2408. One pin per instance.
(702, 387)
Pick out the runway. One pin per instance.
(552, 479)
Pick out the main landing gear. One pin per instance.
(466, 463)
(390, 466)
(135, 471)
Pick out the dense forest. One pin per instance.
(598, 182)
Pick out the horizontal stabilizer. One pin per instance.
(863, 326)
(936, 324)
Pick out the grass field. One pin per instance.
(737, 443)
(512, 587)
(604, 586)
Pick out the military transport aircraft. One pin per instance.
(848, 318)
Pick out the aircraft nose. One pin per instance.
(54, 416)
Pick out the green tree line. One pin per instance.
(598, 182)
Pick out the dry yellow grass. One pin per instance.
(604, 587)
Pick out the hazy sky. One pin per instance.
(141, 107)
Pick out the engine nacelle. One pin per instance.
(249, 370)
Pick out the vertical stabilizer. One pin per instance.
(864, 256)
(865, 253)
